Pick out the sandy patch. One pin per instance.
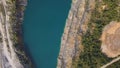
(111, 39)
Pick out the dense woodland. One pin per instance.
(92, 57)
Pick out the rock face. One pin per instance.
(76, 26)
(110, 39)
(11, 46)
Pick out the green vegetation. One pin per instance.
(92, 57)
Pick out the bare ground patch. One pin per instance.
(110, 39)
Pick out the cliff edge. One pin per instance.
(76, 26)
(12, 53)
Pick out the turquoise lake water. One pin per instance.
(42, 29)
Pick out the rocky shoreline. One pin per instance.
(20, 8)
(12, 51)
(75, 28)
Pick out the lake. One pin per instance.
(43, 26)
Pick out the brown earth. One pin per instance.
(111, 39)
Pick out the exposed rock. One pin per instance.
(76, 26)
(12, 53)
(110, 39)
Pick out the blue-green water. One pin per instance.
(42, 29)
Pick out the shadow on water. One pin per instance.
(27, 51)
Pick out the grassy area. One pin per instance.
(104, 13)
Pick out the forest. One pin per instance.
(92, 57)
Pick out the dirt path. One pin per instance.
(113, 61)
